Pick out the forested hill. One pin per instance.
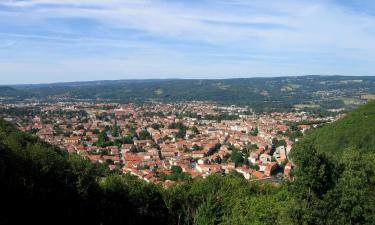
(356, 131)
(271, 94)
(335, 171)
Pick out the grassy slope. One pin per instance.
(356, 130)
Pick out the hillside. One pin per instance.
(11, 92)
(356, 130)
(334, 176)
(262, 94)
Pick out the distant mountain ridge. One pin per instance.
(90, 82)
(276, 93)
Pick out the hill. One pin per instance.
(356, 131)
(11, 92)
(334, 176)
(262, 94)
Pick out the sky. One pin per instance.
(43, 41)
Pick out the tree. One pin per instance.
(314, 177)
(79, 127)
(210, 211)
(181, 129)
(144, 135)
(127, 140)
(277, 143)
(237, 158)
(133, 149)
(156, 126)
(196, 147)
(176, 169)
(254, 131)
(353, 199)
(116, 131)
(103, 140)
(234, 173)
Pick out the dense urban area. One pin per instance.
(170, 142)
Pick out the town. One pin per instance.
(168, 143)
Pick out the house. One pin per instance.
(245, 172)
(79, 132)
(265, 158)
(254, 156)
(198, 154)
(142, 143)
(72, 140)
(228, 167)
(287, 169)
(283, 128)
(132, 158)
(114, 158)
(113, 149)
(304, 128)
(203, 161)
(257, 174)
(169, 151)
(280, 153)
(262, 167)
(206, 168)
(94, 158)
(126, 148)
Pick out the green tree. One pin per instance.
(116, 131)
(144, 135)
(352, 201)
(314, 177)
(254, 131)
(237, 157)
(176, 169)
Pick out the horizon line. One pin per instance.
(164, 79)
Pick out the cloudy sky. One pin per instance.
(45, 41)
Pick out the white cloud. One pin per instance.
(292, 23)
(244, 37)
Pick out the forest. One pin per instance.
(333, 183)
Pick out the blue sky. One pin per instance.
(44, 41)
